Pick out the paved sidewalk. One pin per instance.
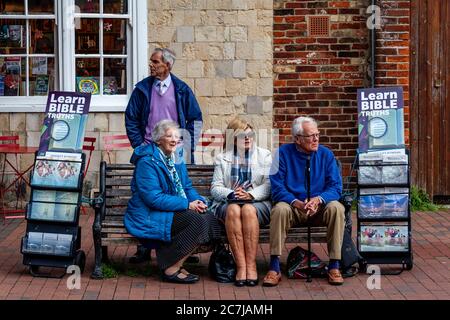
(429, 279)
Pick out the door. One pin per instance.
(430, 97)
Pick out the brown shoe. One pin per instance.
(271, 279)
(335, 277)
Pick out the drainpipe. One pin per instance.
(372, 50)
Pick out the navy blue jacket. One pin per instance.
(287, 177)
(138, 110)
(154, 198)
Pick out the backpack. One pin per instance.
(297, 264)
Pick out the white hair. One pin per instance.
(161, 127)
(297, 125)
(168, 56)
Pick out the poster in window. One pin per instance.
(39, 65)
(65, 122)
(380, 119)
(41, 85)
(88, 85)
(13, 68)
(16, 35)
(109, 86)
(2, 85)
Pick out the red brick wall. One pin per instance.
(319, 76)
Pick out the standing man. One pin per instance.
(289, 192)
(159, 97)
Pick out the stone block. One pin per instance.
(230, 18)
(265, 87)
(162, 34)
(101, 122)
(180, 68)
(232, 87)
(220, 106)
(206, 33)
(203, 87)
(260, 33)
(229, 50)
(192, 17)
(247, 18)
(33, 121)
(239, 69)
(209, 70)
(262, 50)
(17, 122)
(224, 68)
(244, 50)
(254, 105)
(265, 18)
(195, 69)
(218, 87)
(238, 34)
(117, 121)
(248, 87)
(185, 34)
(215, 51)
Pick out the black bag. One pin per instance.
(349, 254)
(222, 266)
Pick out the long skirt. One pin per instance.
(189, 230)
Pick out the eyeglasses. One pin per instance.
(246, 135)
(311, 136)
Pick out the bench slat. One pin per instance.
(118, 182)
(118, 192)
(119, 241)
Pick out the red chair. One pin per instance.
(115, 142)
(88, 145)
(7, 142)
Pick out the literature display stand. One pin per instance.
(383, 193)
(383, 211)
(53, 237)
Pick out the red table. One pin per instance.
(20, 176)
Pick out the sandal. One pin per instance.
(190, 278)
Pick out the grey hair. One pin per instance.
(168, 56)
(161, 127)
(297, 125)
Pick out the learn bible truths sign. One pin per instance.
(65, 122)
(380, 119)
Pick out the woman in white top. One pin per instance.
(241, 192)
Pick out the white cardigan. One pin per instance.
(261, 161)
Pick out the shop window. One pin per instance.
(102, 54)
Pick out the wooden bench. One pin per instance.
(115, 191)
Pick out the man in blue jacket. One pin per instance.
(159, 97)
(289, 192)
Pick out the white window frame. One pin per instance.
(137, 60)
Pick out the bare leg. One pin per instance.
(233, 226)
(250, 227)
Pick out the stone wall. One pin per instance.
(224, 51)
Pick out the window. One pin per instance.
(71, 45)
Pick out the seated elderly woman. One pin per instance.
(165, 207)
(241, 191)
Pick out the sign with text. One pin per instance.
(380, 119)
(65, 122)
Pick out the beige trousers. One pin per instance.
(283, 217)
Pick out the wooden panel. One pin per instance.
(430, 96)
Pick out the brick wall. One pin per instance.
(319, 76)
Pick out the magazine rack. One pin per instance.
(53, 237)
(383, 212)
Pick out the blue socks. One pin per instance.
(275, 263)
(333, 264)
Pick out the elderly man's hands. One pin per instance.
(312, 206)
